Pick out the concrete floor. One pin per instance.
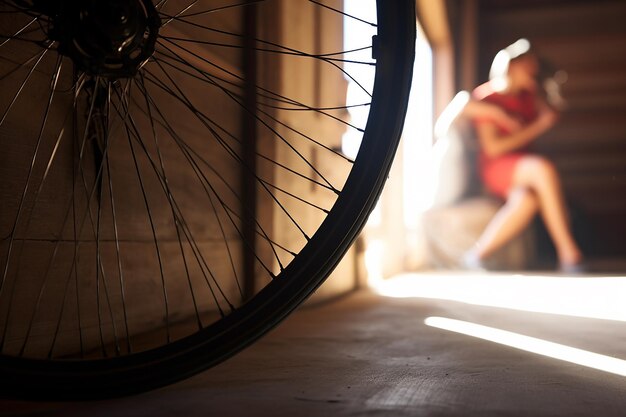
(371, 355)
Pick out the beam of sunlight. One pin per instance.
(450, 113)
(374, 255)
(532, 344)
(592, 297)
(417, 137)
(353, 34)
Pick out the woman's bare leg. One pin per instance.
(513, 217)
(539, 175)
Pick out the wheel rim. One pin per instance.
(292, 280)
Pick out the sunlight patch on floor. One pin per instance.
(532, 344)
(599, 297)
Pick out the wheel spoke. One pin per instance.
(21, 87)
(250, 172)
(170, 197)
(124, 101)
(222, 8)
(193, 158)
(174, 206)
(177, 15)
(341, 12)
(211, 79)
(22, 29)
(23, 197)
(265, 42)
(36, 197)
(288, 51)
(118, 257)
(266, 125)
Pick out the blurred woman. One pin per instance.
(528, 183)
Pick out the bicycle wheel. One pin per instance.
(171, 178)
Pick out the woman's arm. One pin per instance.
(483, 110)
(463, 106)
(494, 144)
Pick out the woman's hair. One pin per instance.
(516, 51)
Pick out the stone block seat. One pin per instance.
(453, 229)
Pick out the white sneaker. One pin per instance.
(472, 262)
(578, 268)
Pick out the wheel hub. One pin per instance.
(111, 38)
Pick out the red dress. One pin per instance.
(497, 172)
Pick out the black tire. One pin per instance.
(110, 371)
